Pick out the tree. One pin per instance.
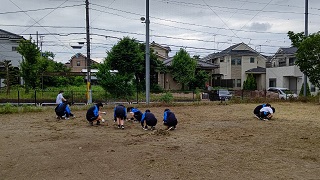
(301, 90)
(308, 55)
(10, 74)
(250, 83)
(201, 77)
(29, 65)
(183, 68)
(116, 84)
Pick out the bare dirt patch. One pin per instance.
(210, 142)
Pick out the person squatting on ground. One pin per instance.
(148, 119)
(94, 114)
(60, 98)
(120, 114)
(169, 119)
(63, 110)
(266, 112)
(256, 110)
(135, 114)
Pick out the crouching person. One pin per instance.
(63, 110)
(148, 119)
(266, 113)
(94, 114)
(169, 119)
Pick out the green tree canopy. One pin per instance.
(183, 67)
(29, 65)
(250, 83)
(308, 55)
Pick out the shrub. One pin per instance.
(166, 98)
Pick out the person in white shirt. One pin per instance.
(266, 112)
(60, 98)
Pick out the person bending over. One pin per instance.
(148, 119)
(169, 119)
(94, 114)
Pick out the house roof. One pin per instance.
(232, 51)
(79, 54)
(201, 64)
(290, 50)
(9, 35)
(257, 70)
(167, 48)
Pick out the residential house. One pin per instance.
(78, 64)
(235, 63)
(165, 80)
(284, 73)
(162, 52)
(9, 43)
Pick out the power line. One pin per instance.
(42, 9)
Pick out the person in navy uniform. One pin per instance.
(135, 114)
(169, 119)
(94, 114)
(256, 110)
(148, 119)
(120, 114)
(63, 110)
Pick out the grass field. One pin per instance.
(212, 141)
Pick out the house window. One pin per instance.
(221, 60)
(272, 82)
(291, 61)
(78, 63)
(282, 63)
(238, 82)
(252, 60)
(312, 88)
(14, 48)
(236, 61)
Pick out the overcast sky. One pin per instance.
(200, 26)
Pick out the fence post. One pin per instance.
(72, 97)
(242, 94)
(18, 98)
(35, 97)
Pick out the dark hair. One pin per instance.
(99, 104)
(273, 109)
(61, 91)
(148, 110)
(268, 104)
(166, 110)
(129, 109)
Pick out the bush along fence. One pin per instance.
(48, 97)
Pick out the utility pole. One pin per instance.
(306, 34)
(147, 55)
(89, 95)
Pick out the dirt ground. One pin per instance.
(210, 142)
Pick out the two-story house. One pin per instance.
(165, 80)
(284, 73)
(9, 43)
(78, 64)
(235, 63)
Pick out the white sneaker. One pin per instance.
(103, 120)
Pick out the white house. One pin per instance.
(284, 73)
(9, 43)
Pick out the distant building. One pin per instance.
(9, 43)
(284, 73)
(235, 64)
(78, 62)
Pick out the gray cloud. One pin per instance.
(257, 26)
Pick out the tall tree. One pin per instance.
(183, 68)
(200, 78)
(116, 84)
(9, 73)
(308, 55)
(29, 65)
